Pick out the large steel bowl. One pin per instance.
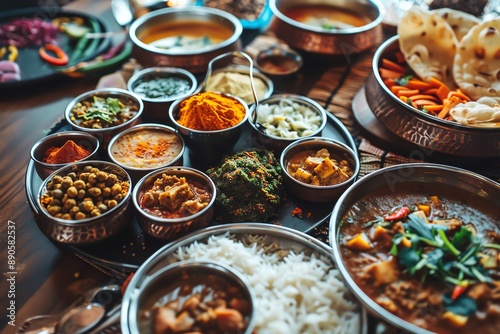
(466, 184)
(195, 61)
(425, 132)
(266, 234)
(345, 41)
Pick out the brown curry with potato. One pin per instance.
(427, 254)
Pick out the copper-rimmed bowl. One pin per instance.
(39, 149)
(187, 18)
(317, 193)
(104, 134)
(460, 185)
(210, 145)
(173, 228)
(93, 228)
(422, 131)
(156, 108)
(329, 42)
(184, 275)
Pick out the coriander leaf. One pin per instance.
(419, 226)
(408, 257)
(463, 305)
(403, 81)
(462, 238)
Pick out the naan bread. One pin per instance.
(460, 22)
(477, 62)
(428, 44)
(483, 113)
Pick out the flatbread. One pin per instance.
(484, 113)
(477, 62)
(460, 22)
(428, 44)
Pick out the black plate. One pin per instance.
(33, 68)
(129, 249)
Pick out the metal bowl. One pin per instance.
(173, 228)
(39, 149)
(465, 184)
(421, 130)
(153, 163)
(286, 239)
(308, 192)
(208, 146)
(243, 70)
(276, 143)
(88, 230)
(176, 276)
(157, 108)
(193, 60)
(104, 135)
(329, 42)
(278, 62)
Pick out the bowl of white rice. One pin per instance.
(285, 118)
(297, 287)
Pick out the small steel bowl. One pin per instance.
(156, 108)
(468, 187)
(137, 165)
(243, 70)
(276, 143)
(88, 230)
(423, 132)
(39, 149)
(178, 275)
(172, 228)
(329, 42)
(313, 193)
(208, 146)
(278, 62)
(104, 135)
(190, 18)
(269, 236)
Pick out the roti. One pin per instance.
(483, 113)
(477, 62)
(460, 22)
(429, 44)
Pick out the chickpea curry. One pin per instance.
(431, 257)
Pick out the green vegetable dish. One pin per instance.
(249, 187)
(162, 88)
(103, 112)
(427, 256)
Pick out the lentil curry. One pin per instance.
(430, 256)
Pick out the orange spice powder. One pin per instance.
(69, 152)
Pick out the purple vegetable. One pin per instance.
(9, 66)
(27, 32)
(9, 76)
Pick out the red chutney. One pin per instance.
(174, 197)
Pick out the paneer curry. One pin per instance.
(429, 255)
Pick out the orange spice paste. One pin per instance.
(209, 111)
(69, 152)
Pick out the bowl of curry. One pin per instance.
(419, 245)
(174, 201)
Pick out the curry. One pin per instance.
(428, 255)
(326, 17)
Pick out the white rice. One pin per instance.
(295, 293)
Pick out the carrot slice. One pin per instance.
(389, 82)
(451, 103)
(431, 91)
(418, 84)
(434, 108)
(388, 74)
(424, 97)
(422, 102)
(408, 92)
(396, 89)
(390, 65)
(443, 92)
(435, 82)
(458, 94)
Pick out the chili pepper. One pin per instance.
(60, 59)
(458, 290)
(83, 49)
(13, 52)
(400, 214)
(92, 47)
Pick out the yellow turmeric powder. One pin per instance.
(209, 111)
